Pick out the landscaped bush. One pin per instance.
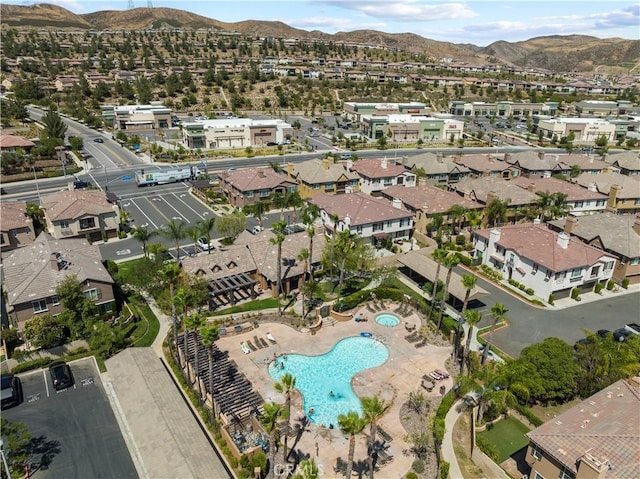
(575, 293)
(34, 364)
(530, 291)
(444, 470)
(411, 475)
(513, 282)
(598, 288)
(610, 285)
(490, 273)
(464, 259)
(528, 413)
(552, 298)
(625, 283)
(418, 466)
(521, 287)
(486, 447)
(460, 240)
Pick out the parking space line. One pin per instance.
(174, 209)
(44, 375)
(144, 214)
(185, 203)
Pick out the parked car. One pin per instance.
(621, 334)
(61, 376)
(346, 156)
(11, 391)
(80, 185)
(633, 328)
(98, 140)
(204, 244)
(272, 143)
(256, 229)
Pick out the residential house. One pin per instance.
(14, 144)
(580, 201)
(623, 191)
(376, 175)
(487, 165)
(425, 201)
(81, 213)
(618, 235)
(251, 185)
(15, 226)
(437, 168)
(549, 263)
(588, 164)
(32, 273)
(597, 438)
(628, 163)
(364, 215)
(537, 164)
(323, 176)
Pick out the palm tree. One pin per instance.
(194, 322)
(208, 336)
(351, 424)
(257, 210)
(170, 275)
(183, 298)
(334, 219)
(285, 386)
(174, 232)
(303, 256)
(279, 201)
(544, 203)
(143, 235)
(496, 211)
(493, 392)
(472, 317)
(205, 226)
(346, 241)
(474, 218)
(469, 282)
(498, 312)
(193, 233)
(559, 207)
(278, 228)
(269, 420)
(438, 256)
(293, 200)
(437, 220)
(372, 409)
(450, 262)
(457, 213)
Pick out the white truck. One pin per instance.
(162, 177)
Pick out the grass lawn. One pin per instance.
(147, 327)
(256, 305)
(507, 436)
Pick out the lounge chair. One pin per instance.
(271, 338)
(257, 342)
(263, 343)
(245, 348)
(250, 344)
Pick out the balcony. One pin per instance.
(66, 232)
(577, 279)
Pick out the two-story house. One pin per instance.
(550, 263)
(376, 175)
(487, 165)
(16, 227)
(623, 191)
(437, 169)
(322, 176)
(252, 185)
(537, 164)
(618, 235)
(364, 215)
(32, 273)
(628, 163)
(81, 213)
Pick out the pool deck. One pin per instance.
(393, 381)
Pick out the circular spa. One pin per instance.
(389, 320)
(325, 380)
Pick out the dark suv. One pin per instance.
(11, 391)
(61, 376)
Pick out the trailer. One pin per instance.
(162, 177)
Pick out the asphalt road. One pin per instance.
(529, 325)
(75, 433)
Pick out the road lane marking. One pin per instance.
(174, 209)
(144, 214)
(44, 375)
(187, 205)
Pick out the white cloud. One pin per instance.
(333, 24)
(74, 6)
(409, 10)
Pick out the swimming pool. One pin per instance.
(325, 381)
(387, 319)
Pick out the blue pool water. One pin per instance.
(317, 377)
(387, 319)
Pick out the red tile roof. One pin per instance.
(254, 179)
(13, 215)
(13, 141)
(428, 198)
(377, 168)
(360, 207)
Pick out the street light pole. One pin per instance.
(37, 188)
(106, 180)
(4, 460)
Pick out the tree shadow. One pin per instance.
(47, 450)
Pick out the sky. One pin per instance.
(476, 22)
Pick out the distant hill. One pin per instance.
(556, 53)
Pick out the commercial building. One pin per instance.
(501, 108)
(585, 130)
(137, 117)
(402, 128)
(235, 133)
(354, 111)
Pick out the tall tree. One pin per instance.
(373, 408)
(193, 323)
(293, 200)
(303, 256)
(496, 211)
(351, 424)
(457, 213)
(438, 256)
(279, 238)
(279, 201)
(469, 282)
(206, 226)
(170, 275)
(269, 420)
(54, 127)
(450, 262)
(345, 243)
(174, 231)
(209, 335)
(286, 385)
(498, 312)
(472, 317)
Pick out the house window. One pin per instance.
(328, 186)
(264, 193)
(87, 223)
(535, 452)
(548, 275)
(291, 189)
(92, 294)
(566, 474)
(538, 476)
(608, 266)
(55, 300)
(576, 272)
(634, 261)
(64, 225)
(389, 224)
(579, 204)
(388, 181)
(377, 227)
(249, 194)
(534, 269)
(404, 222)
(359, 229)
(39, 306)
(600, 203)
(316, 186)
(376, 182)
(595, 271)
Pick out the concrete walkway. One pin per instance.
(448, 453)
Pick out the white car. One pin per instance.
(204, 244)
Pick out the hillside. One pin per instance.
(556, 53)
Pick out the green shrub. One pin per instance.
(34, 364)
(530, 291)
(575, 293)
(418, 466)
(488, 448)
(513, 282)
(522, 287)
(625, 283)
(598, 287)
(528, 413)
(460, 240)
(464, 259)
(444, 470)
(411, 475)
(610, 285)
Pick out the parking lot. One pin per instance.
(74, 431)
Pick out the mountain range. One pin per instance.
(579, 53)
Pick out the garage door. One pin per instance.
(563, 293)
